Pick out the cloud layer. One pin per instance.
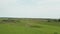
(30, 8)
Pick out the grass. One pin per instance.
(27, 27)
(15, 29)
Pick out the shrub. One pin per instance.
(35, 26)
(49, 20)
(55, 33)
(8, 21)
(58, 20)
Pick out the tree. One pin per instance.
(58, 20)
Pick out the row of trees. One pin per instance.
(55, 20)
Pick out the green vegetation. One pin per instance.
(29, 26)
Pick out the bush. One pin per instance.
(35, 26)
(49, 20)
(8, 21)
(55, 33)
(58, 20)
(55, 20)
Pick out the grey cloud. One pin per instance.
(39, 8)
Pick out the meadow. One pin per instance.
(28, 26)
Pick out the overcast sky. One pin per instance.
(30, 8)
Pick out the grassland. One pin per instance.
(28, 26)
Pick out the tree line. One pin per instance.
(54, 20)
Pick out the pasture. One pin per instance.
(28, 26)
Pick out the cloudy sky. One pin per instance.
(30, 8)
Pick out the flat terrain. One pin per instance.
(29, 27)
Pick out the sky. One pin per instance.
(30, 8)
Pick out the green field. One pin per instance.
(29, 27)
